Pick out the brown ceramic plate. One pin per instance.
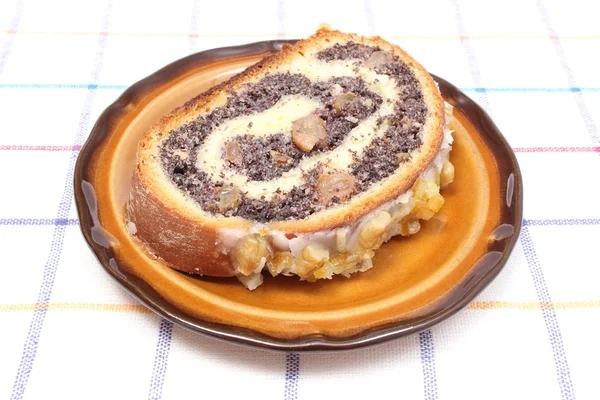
(416, 282)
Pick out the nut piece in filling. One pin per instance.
(378, 58)
(229, 197)
(308, 132)
(344, 100)
(305, 166)
(312, 257)
(280, 262)
(374, 232)
(280, 159)
(251, 254)
(233, 153)
(335, 187)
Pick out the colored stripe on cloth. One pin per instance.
(583, 109)
(534, 305)
(556, 149)
(297, 35)
(428, 365)
(471, 60)
(67, 221)
(35, 329)
(148, 34)
(194, 27)
(281, 19)
(165, 334)
(8, 42)
(515, 149)
(550, 318)
(39, 148)
(60, 306)
(139, 308)
(91, 86)
(161, 359)
(464, 89)
(369, 16)
(531, 90)
(587, 221)
(292, 374)
(36, 221)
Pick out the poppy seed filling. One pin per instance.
(263, 158)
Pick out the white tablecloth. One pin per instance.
(69, 332)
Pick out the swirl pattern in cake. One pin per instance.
(304, 164)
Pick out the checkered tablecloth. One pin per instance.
(67, 331)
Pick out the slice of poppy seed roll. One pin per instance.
(303, 164)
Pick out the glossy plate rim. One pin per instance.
(145, 294)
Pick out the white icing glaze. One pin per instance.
(349, 234)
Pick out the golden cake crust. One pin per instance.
(177, 230)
